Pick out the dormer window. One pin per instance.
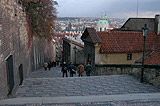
(129, 56)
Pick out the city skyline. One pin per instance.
(113, 9)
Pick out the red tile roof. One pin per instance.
(153, 58)
(92, 33)
(125, 41)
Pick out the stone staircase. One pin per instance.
(49, 89)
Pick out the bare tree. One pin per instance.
(41, 14)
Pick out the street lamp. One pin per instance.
(145, 33)
(75, 53)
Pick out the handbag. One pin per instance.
(73, 71)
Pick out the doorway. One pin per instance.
(10, 74)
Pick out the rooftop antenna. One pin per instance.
(137, 8)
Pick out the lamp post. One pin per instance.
(145, 33)
(75, 54)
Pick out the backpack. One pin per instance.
(88, 68)
(65, 68)
(73, 71)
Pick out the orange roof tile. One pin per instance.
(154, 58)
(125, 41)
(92, 33)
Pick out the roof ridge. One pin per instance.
(126, 32)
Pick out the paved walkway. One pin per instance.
(53, 73)
(102, 100)
(48, 88)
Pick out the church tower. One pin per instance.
(102, 24)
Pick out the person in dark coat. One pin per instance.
(88, 69)
(72, 69)
(49, 65)
(45, 66)
(64, 69)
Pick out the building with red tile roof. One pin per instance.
(120, 47)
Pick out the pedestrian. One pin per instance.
(80, 70)
(49, 65)
(72, 69)
(88, 69)
(64, 69)
(45, 66)
(54, 63)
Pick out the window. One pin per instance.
(129, 56)
(100, 29)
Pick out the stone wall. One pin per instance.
(151, 72)
(14, 42)
(89, 54)
(20, 51)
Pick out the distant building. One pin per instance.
(69, 28)
(72, 51)
(102, 24)
(136, 24)
(72, 47)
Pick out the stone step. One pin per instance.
(83, 86)
(94, 100)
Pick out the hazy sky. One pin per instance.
(113, 8)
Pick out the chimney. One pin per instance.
(157, 24)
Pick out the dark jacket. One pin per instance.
(64, 68)
(88, 68)
(70, 67)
